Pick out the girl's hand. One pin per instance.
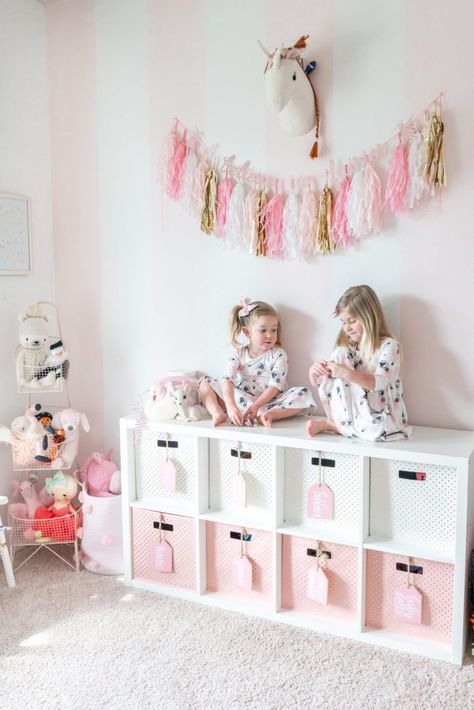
(319, 369)
(235, 415)
(337, 370)
(251, 412)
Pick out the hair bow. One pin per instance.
(246, 307)
(59, 479)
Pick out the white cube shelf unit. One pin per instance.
(395, 503)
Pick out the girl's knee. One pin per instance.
(343, 356)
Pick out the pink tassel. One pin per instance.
(197, 191)
(273, 217)
(340, 229)
(176, 164)
(397, 185)
(224, 192)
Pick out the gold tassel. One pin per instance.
(313, 153)
(324, 243)
(262, 236)
(209, 216)
(433, 170)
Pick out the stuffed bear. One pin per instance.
(32, 351)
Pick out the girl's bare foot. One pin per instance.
(218, 417)
(266, 419)
(317, 426)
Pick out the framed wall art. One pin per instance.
(15, 235)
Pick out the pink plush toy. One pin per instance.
(69, 420)
(28, 492)
(100, 475)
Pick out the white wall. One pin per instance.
(25, 168)
(141, 289)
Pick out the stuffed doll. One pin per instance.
(59, 521)
(56, 366)
(49, 445)
(32, 350)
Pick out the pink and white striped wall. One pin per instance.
(141, 290)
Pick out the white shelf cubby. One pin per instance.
(384, 514)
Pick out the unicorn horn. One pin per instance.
(264, 50)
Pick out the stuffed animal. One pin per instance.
(100, 476)
(59, 521)
(56, 366)
(160, 404)
(69, 420)
(23, 436)
(32, 350)
(188, 409)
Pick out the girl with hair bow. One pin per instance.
(254, 386)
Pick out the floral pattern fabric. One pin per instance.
(373, 415)
(251, 377)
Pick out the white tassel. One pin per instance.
(234, 230)
(250, 233)
(308, 222)
(416, 155)
(291, 213)
(364, 203)
(190, 168)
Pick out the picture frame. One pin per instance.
(15, 235)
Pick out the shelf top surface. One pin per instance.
(425, 441)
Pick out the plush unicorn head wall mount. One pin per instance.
(289, 90)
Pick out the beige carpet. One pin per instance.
(81, 641)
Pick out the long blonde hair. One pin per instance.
(363, 304)
(238, 323)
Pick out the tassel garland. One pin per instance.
(291, 236)
(235, 217)
(324, 242)
(251, 222)
(340, 230)
(224, 192)
(308, 222)
(416, 157)
(433, 171)
(283, 224)
(274, 226)
(397, 185)
(260, 218)
(209, 216)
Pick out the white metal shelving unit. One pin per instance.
(384, 514)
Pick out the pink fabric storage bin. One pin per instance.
(181, 539)
(341, 571)
(221, 550)
(435, 584)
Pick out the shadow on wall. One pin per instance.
(298, 332)
(432, 376)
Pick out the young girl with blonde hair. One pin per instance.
(360, 386)
(254, 387)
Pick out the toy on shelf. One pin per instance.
(32, 350)
(174, 397)
(23, 437)
(68, 421)
(58, 521)
(56, 366)
(32, 500)
(100, 475)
